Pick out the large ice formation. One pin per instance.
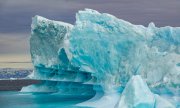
(101, 53)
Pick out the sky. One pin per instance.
(16, 15)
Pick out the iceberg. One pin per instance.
(100, 54)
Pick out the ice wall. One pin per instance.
(48, 42)
(49, 47)
(114, 50)
(102, 53)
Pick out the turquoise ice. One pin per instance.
(103, 54)
(114, 50)
(137, 95)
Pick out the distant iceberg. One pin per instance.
(100, 53)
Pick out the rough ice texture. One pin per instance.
(48, 40)
(114, 50)
(49, 44)
(101, 49)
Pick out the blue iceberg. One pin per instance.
(132, 66)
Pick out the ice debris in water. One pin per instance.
(137, 95)
(104, 52)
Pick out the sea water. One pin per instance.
(15, 99)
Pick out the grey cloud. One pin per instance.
(14, 44)
(15, 15)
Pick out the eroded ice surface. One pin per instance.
(102, 53)
(114, 50)
(48, 40)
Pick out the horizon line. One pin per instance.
(17, 62)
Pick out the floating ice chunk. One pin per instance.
(136, 95)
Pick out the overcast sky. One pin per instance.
(15, 18)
